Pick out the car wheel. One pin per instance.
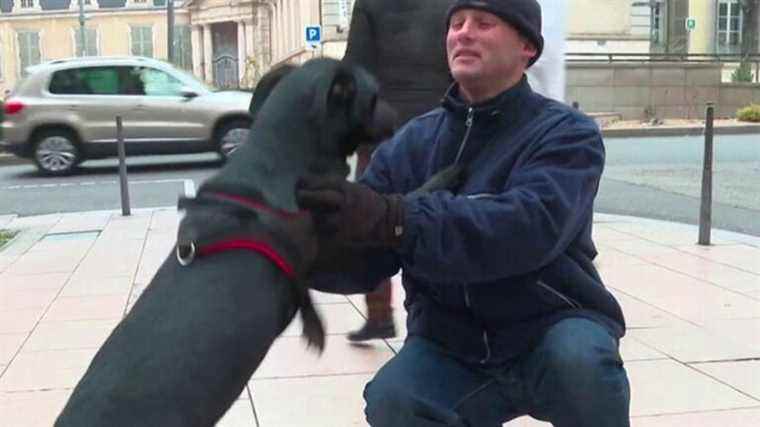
(56, 153)
(231, 135)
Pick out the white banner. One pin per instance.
(343, 13)
(547, 75)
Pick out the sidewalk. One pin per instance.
(692, 349)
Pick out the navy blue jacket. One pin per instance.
(488, 269)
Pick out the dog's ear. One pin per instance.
(342, 92)
(360, 102)
(342, 103)
(265, 86)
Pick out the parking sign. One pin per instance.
(313, 35)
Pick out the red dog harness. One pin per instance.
(187, 252)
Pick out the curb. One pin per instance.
(9, 160)
(680, 131)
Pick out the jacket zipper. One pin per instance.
(487, 345)
(488, 348)
(569, 301)
(468, 126)
(572, 303)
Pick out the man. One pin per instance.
(411, 68)
(506, 313)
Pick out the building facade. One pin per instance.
(231, 43)
(603, 26)
(36, 31)
(227, 43)
(662, 26)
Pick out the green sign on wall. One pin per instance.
(691, 24)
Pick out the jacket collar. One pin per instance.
(507, 103)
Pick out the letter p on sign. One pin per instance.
(313, 36)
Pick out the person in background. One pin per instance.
(398, 42)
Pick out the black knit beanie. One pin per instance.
(524, 15)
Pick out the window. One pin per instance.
(142, 41)
(657, 23)
(86, 81)
(91, 41)
(158, 83)
(182, 50)
(27, 4)
(729, 31)
(28, 50)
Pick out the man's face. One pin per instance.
(483, 49)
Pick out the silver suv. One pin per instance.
(64, 112)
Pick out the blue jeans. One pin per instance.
(573, 378)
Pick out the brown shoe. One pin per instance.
(374, 330)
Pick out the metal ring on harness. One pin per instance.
(186, 254)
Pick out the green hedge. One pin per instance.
(750, 113)
(5, 236)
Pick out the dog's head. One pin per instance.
(265, 86)
(325, 106)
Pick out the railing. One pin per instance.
(225, 72)
(659, 57)
(649, 57)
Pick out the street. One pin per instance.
(650, 177)
(153, 182)
(661, 178)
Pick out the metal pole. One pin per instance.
(169, 30)
(82, 48)
(122, 168)
(705, 210)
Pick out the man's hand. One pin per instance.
(352, 213)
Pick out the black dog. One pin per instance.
(185, 351)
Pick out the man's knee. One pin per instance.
(382, 399)
(579, 376)
(580, 351)
(389, 405)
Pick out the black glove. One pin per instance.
(352, 213)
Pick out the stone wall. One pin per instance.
(662, 90)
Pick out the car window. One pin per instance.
(85, 81)
(131, 83)
(159, 83)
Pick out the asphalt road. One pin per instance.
(650, 177)
(154, 181)
(661, 178)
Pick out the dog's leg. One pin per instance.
(185, 351)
